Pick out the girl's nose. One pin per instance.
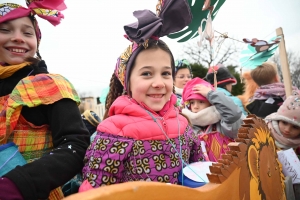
(158, 83)
(18, 38)
(288, 128)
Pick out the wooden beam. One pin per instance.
(284, 64)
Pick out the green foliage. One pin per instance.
(200, 71)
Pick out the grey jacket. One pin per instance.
(224, 113)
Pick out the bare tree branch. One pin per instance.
(225, 51)
(294, 64)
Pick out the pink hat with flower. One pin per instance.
(188, 93)
(289, 111)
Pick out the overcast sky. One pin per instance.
(85, 46)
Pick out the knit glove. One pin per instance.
(8, 190)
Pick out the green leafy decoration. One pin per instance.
(198, 14)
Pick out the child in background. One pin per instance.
(38, 111)
(215, 117)
(183, 73)
(90, 120)
(143, 137)
(285, 123)
(270, 94)
(225, 81)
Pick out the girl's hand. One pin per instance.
(201, 89)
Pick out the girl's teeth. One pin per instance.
(18, 50)
(156, 96)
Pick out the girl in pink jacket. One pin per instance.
(143, 137)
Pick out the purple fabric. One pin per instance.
(148, 24)
(174, 16)
(9, 190)
(114, 159)
(272, 90)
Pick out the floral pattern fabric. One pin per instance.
(114, 159)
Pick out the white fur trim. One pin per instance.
(204, 117)
(178, 90)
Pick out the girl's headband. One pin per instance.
(179, 64)
(46, 9)
(171, 16)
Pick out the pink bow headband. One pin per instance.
(46, 9)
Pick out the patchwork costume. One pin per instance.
(39, 113)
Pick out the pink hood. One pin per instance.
(129, 119)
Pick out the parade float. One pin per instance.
(250, 170)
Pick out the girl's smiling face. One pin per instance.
(289, 130)
(18, 41)
(151, 79)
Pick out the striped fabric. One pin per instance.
(32, 91)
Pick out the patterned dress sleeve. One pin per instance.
(196, 152)
(104, 159)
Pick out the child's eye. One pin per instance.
(296, 127)
(146, 74)
(4, 30)
(28, 33)
(167, 73)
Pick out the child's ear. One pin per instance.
(276, 79)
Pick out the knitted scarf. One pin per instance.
(280, 141)
(205, 117)
(271, 90)
(7, 71)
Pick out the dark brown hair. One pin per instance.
(264, 74)
(116, 89)
(34, 23)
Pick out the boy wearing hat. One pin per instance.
(225, 80)
(214, 116)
